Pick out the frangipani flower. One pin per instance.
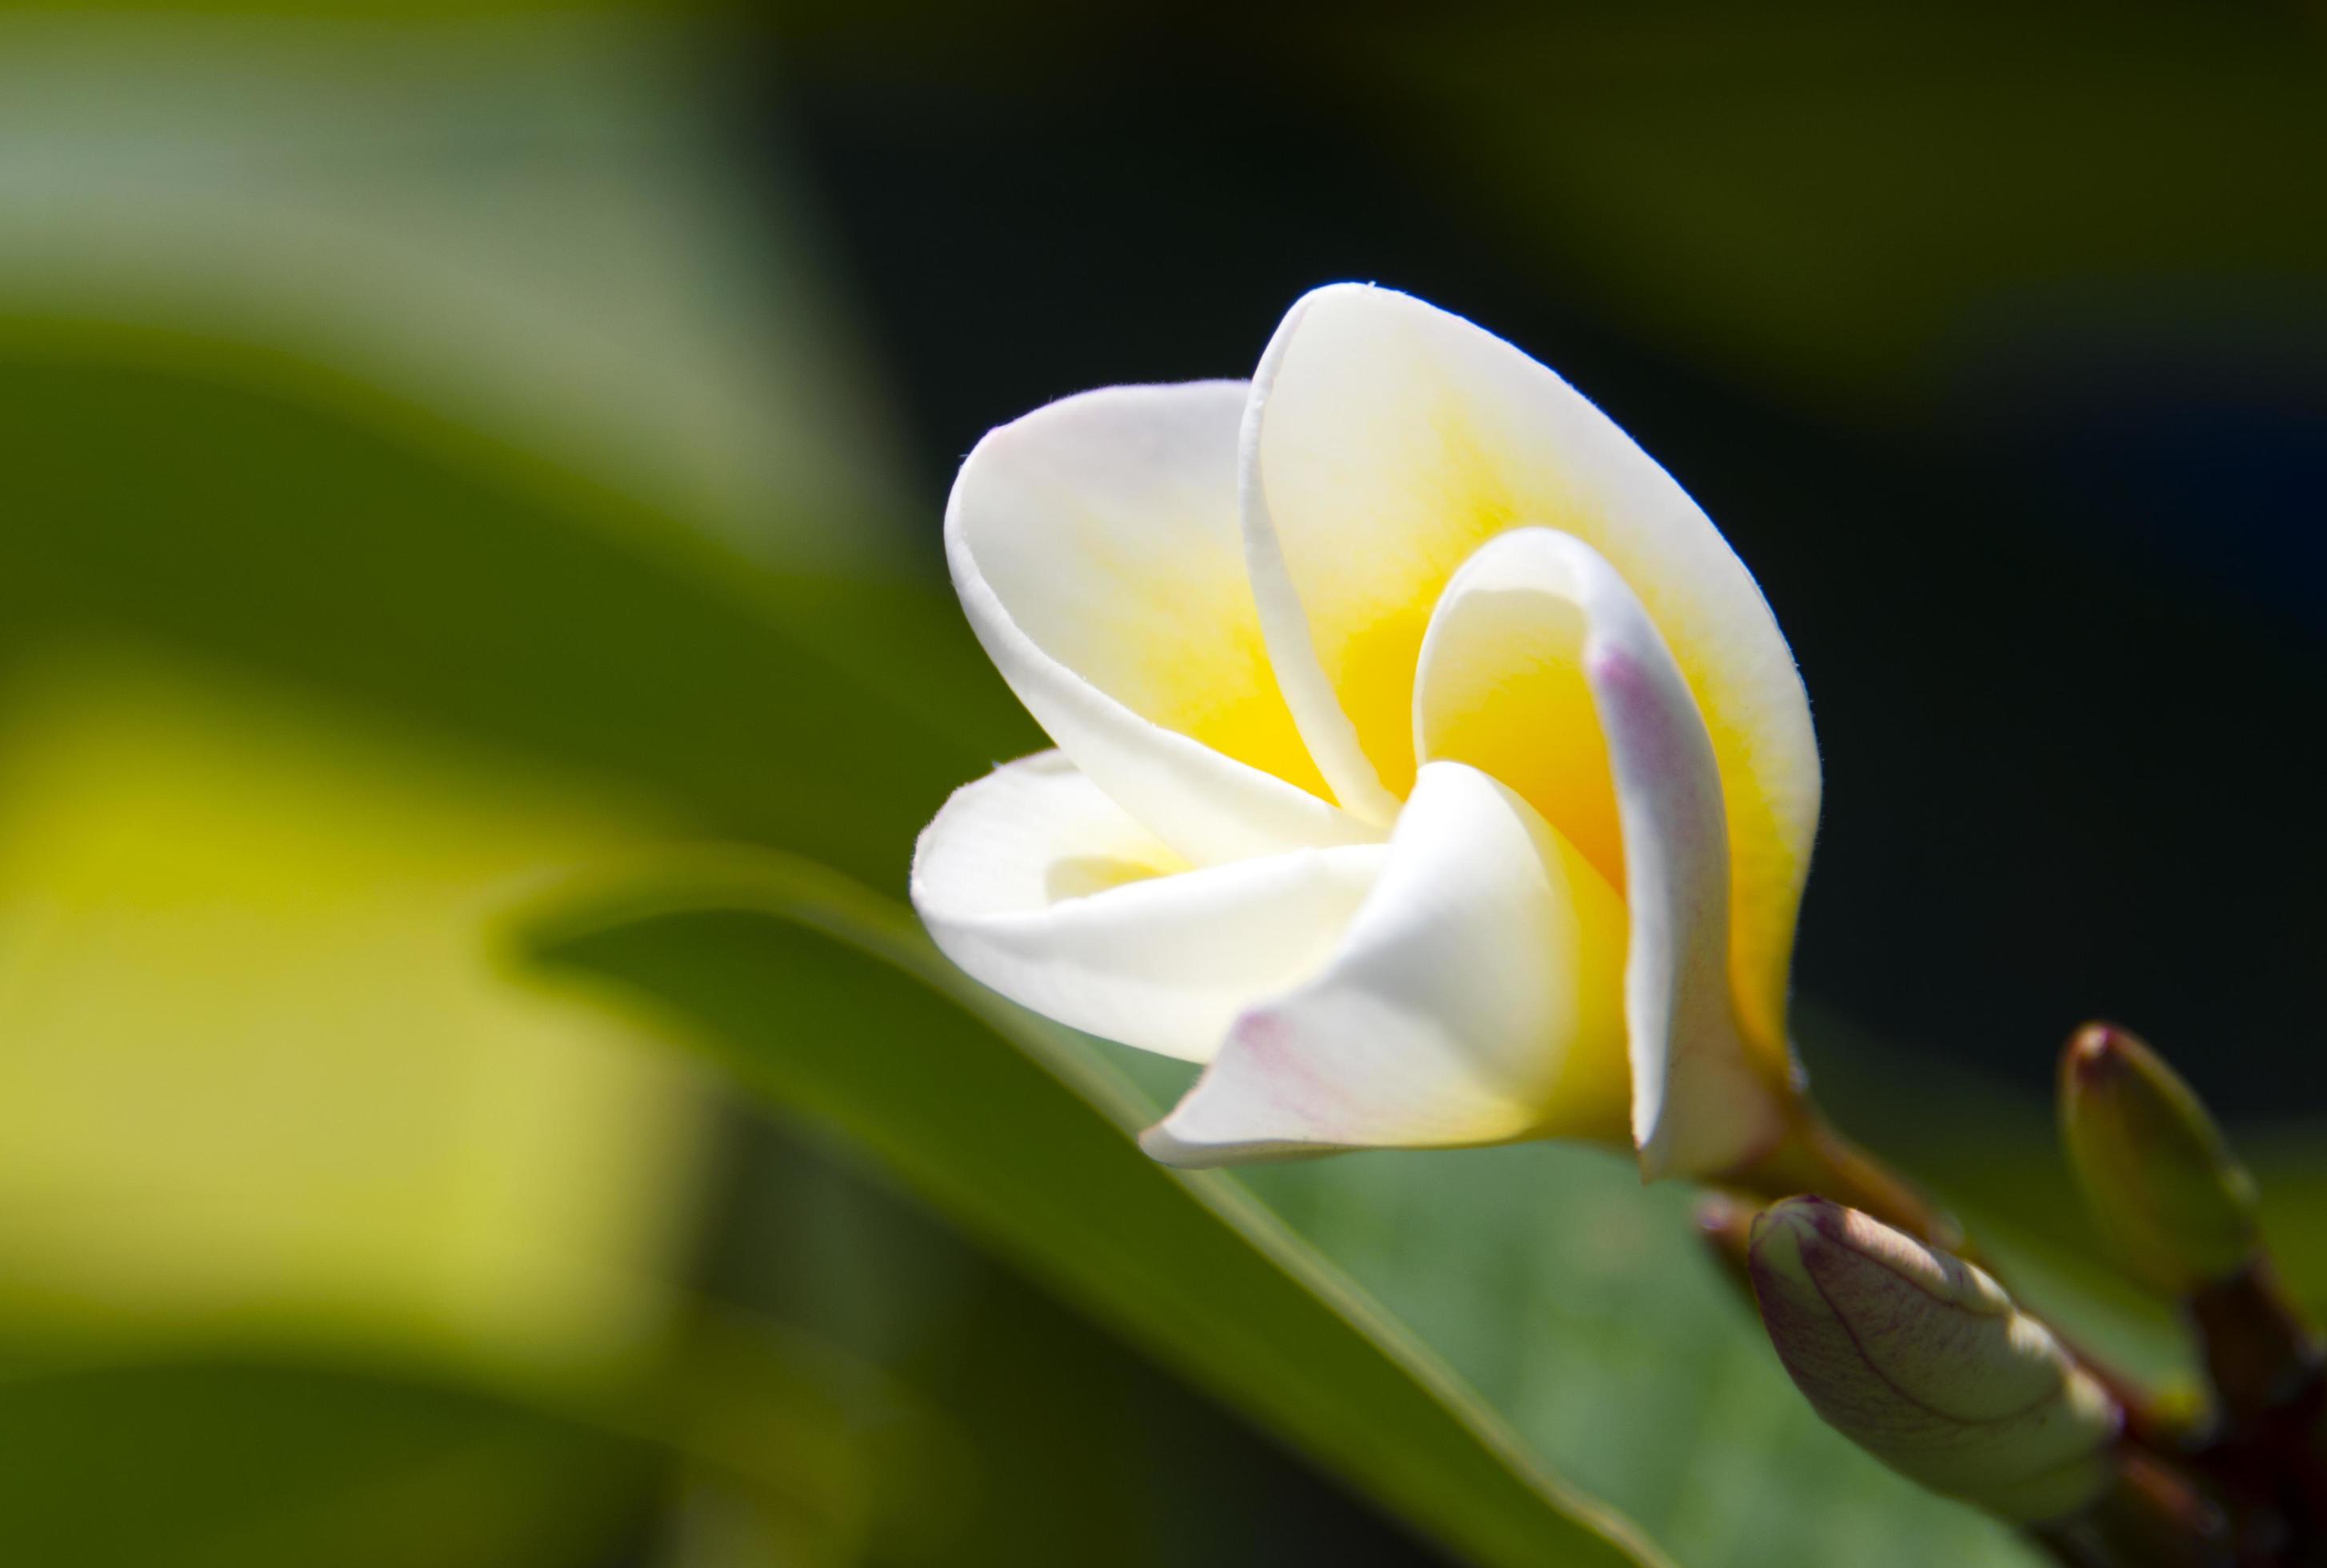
(1426, 763)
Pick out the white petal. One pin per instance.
(1384, 443)
(1037, 885)
(1096, 547)
(1475, 998)
(1542, 666)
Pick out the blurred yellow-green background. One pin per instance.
(474, 653)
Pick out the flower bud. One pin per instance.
(1923, 1361)
(2159, 1179)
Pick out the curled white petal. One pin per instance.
(1295, 647)
(1385, 441)
(1096, 547)
(1535, 624)
(1039, 885)
(1475, 998)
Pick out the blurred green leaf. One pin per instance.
(234, 1459)
(257, 1077)
(255, 1464)
(790, 1449)
(542, 227)
(2290, 1166)
(227, 503)
(1076, 1446)
(469, 373)
(827, 1000)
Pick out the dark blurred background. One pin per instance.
(350, 358)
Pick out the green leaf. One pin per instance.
(253, 1464)
(1580, 1305)
(827, 1001)
(360, 550)
(540, 228)
(227, 1459)
(465, 375)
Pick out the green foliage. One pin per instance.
(211, 1459)
(453, 595)
(265, 1465)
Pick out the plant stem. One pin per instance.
(2260, 1353)
(2268, 1452)
(1812, 1157)
(2152, 1516)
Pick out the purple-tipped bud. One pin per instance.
(2155, 1171)
(1923, 1361)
